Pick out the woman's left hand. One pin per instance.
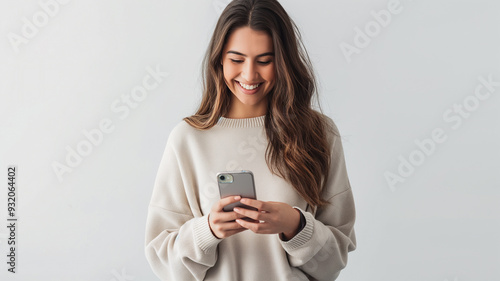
(277, 217)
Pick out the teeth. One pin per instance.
(249, 87)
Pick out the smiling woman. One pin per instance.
(258, 81)
(248, 71)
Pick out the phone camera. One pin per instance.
(222, 177)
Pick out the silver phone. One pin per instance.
(233, 183)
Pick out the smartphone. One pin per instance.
(233, 183)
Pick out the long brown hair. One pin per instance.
(298, 149)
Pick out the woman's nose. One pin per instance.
(249, 72)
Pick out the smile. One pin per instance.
(249, 87)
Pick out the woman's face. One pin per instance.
(248, 65)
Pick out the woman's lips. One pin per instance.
(246, 91)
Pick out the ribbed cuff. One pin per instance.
(203, 236)
(303, 236)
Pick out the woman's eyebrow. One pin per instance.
(261, 55)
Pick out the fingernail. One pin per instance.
(236, 197)
(236, 209)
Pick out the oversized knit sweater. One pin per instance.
(179, 244)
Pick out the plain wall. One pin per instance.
(419, 123)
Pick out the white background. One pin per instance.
(441, 223)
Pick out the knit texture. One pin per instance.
(179, 244)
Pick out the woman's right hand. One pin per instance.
(223, 223)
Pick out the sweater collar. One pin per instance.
(241, 122)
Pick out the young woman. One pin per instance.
(255, 115)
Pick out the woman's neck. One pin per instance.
(239, 110)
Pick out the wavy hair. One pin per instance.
(298, 149)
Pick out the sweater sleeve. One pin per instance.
(320, 249)
(178, 245)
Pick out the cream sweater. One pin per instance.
(179, 244)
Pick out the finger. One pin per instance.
(260, 205)
(226, 201)
(222, 217)
(250, 220)
(253, 226)
(229, 226)
(256, 215)
(232, 232)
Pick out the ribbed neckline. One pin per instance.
(241, 122)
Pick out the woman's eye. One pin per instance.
(259, 62)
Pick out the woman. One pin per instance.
(255, 115)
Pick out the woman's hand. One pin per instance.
(277, 217)
(223, 223)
